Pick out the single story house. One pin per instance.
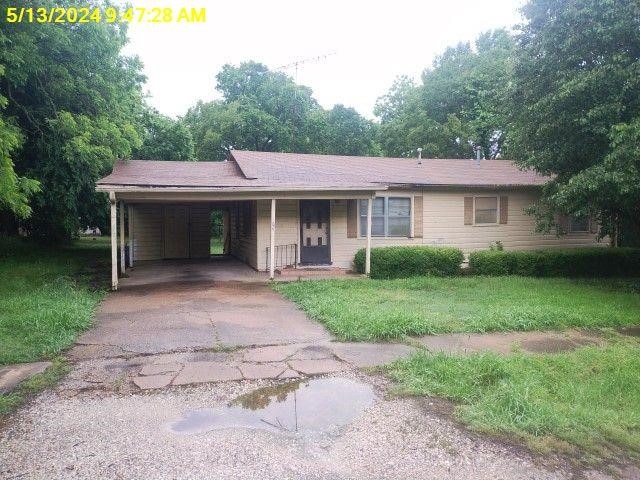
(287, 209)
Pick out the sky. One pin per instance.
(367, 44)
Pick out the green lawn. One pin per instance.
(385, 309)
(588, 398)
(48, 295)
(215, 246)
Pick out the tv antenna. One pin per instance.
(303, 61)
(295, 66)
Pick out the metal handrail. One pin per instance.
(284, 256)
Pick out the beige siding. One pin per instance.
(243, 232)
(148, 228)
(287, 226)
(148, 231)
(442, 224)
(199, 231)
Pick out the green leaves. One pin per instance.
(456, 108)
(576, 92)
(164, 139)
(267, 111)
(75, 101)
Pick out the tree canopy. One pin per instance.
(265, 110)
(73, 100)
(576, 106)
(460, 105)
(164, 138)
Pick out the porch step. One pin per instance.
(313, 272)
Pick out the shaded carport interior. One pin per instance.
(168, 240)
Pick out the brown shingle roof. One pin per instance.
(308, 171)
(305, 167)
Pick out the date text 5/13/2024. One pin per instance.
(107, 15)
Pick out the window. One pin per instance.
(391, 217)
(579, 224)
(485, 210)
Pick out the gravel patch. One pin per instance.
(127, 436)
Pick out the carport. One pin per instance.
(161, 210)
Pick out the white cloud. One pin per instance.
(373, 43)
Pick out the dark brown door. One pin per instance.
(314, 232)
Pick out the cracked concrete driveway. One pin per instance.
(195, 316)
(229, 380)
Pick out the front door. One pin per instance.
(176, 232)
(314, 232)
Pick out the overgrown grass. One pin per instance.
(385, 309)
(589, 398)
(47, 295)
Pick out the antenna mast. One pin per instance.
(295, 65)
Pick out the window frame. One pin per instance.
(497, 222)
(386, 198)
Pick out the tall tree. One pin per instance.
(267, 111)
(343, 130)
(456, 108)
(460, 104)
(15, 191)
(76, 101)
(577, 106)
(164, 138)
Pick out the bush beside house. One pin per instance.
(403, 262)
(585, 262)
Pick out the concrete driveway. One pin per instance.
(226, 379)
(162, 318)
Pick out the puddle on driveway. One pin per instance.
(316, 405)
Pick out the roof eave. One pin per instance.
(103, 187)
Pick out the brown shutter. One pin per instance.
(352, 218)
(593, 225)
(504, 209)
(468, 210)
(417, 216)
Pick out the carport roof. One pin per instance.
(248, 170)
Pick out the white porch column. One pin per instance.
(272, 240)
(121, 227)
(367, 265)
(114, 242)
(130, 227)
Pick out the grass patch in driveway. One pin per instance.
(12, 400)
(47, 296)
(385, 309)
(587, 398)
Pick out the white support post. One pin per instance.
(272, 240)
(121, 227)
(130, 228)
(367, 267)
(114, 242)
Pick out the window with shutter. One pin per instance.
(391, 217)
(486, 210)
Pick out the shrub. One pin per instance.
(402, 262)
(584, 262)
